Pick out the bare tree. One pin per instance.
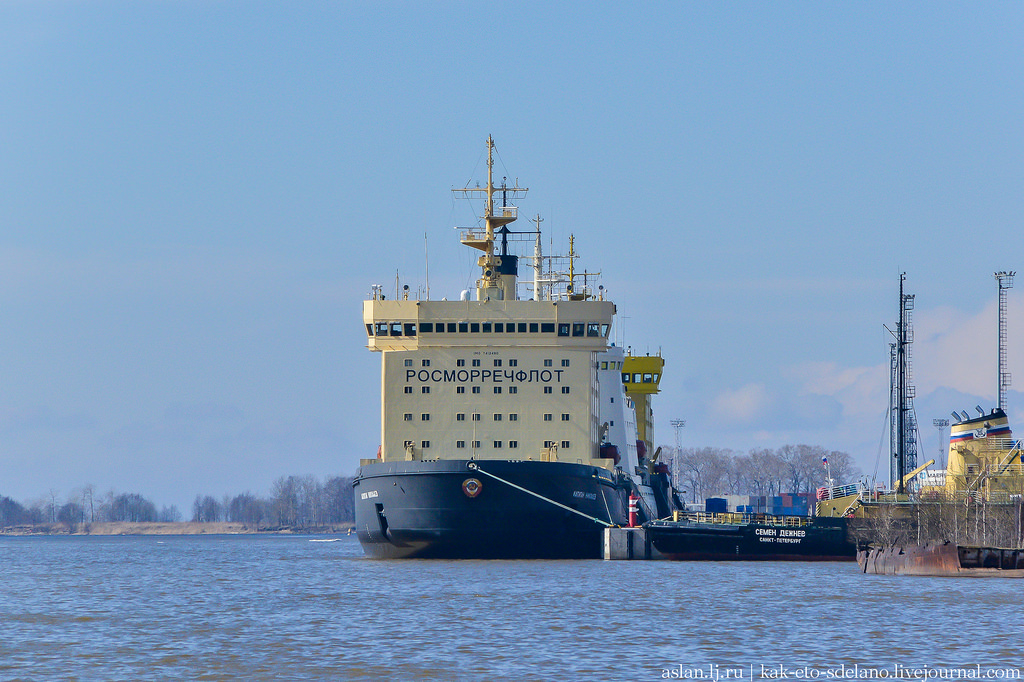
(88, 500)
(206, 509)
(246, 508)
(285, 501)
(765, 468)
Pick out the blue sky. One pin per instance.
(195, 198)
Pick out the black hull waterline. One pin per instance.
(486, 509)
(816, 540)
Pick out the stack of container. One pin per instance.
(787, 504)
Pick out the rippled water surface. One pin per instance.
(259, 607)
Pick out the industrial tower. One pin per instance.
(903, 433)
(1005, 280)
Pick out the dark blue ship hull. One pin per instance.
(457, 509)
(759, 537)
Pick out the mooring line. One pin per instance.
(473, 466)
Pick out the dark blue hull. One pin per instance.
(765, 539)
(448, 509)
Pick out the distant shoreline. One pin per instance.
(178, 528)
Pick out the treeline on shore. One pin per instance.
(308, 503)
(710, 472)
(294, 502)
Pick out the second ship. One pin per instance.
(510, 427)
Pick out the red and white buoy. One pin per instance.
(634, 508)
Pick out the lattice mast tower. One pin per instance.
(903, 434)
(677, 425)
(1005, 280)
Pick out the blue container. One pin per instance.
(716, 505)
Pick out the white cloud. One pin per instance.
(748, 403)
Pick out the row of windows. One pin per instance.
(638, 378)
(476, 389)
(425, 362)
(495, 444)
(591, 329)
(475, 416)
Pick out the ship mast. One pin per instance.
(537, 260)
(498, 274)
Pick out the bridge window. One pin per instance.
(410, 329)
(396, 329)
(452, 327)
(382, 328)
(369, 330)
(474, 327)
(577, 328)
(463, 327)
(563, 329)
(593, 329)
(499, 327)
(604, 329)
(547, 327)
(485, 327)
(427, 327)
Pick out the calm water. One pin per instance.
(287, 607)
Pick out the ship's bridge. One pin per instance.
(642, 374)
(412, 325)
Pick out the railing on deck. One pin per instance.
(740, 518)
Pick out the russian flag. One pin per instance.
(824, 461)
